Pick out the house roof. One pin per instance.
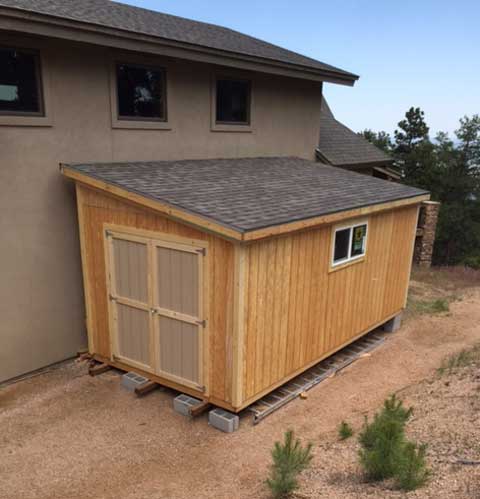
(106, 13)
(245, 194)
(340, 146)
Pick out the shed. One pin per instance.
(225, 278)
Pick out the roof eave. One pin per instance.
(58, 27)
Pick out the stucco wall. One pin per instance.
(41, 301)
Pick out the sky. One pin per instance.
(422, 53)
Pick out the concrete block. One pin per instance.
(223, 420)
(183, 403)
(393, 324)
(131, 380)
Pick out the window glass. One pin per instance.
(20, 91)
(342, 241)
(358, 240)
(141, 92)
(233, 102)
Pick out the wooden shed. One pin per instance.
(225, 278)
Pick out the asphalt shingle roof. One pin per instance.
(137, 20)
(341, 146)
(249, 193)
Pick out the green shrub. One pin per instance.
(345, 430)
(412, 471)
(385, 452)
(383, 439)
(472, 262)
(289, 459)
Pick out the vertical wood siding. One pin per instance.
(297, 311)
(99, 208)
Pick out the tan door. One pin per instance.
(177, 305)
(130, 301)
(156, 310)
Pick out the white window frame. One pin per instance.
(349, 258)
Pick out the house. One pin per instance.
(226, 278)
(99, 82)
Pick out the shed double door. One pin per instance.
(156, 305)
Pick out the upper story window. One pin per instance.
(350, 243)
(141, 93)
(233, 102)
(20, 83)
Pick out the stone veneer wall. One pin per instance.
(427, 224)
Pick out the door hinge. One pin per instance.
(202, 251)
(108, 233)
(202, 323)
(112, 298)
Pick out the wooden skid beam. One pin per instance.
(98, 369)
(147, 387)
(199, 409)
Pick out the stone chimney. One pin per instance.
(427, 225)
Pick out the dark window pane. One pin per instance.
(358, 240)
(141, 92)
(342, 239)
(19, 82)
(233, 101)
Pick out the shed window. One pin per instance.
(141, 93)
(350, 243)
(20, 83)
(233, 102)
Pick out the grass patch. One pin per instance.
(344, 430)
(465, 358)
(437, 306)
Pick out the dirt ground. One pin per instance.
(66, 435)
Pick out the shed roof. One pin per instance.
(246, 194)
(139, 21)
(340, 146)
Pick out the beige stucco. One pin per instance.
(41, 301)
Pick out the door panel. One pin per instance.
(177, 305)
(133, 333)
(130, 300)
(179, 348)
(178, 281)
(131, 275)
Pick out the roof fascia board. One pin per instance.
(331, 218)
(43, 25)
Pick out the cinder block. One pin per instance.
(223, 420)
(183, 403)
(393, 324)
(131, 380)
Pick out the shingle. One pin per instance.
(340, 146)
(142, 21)
(249, 193)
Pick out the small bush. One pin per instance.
(383, 439)
(386, 453)
(345, 430)
(289, 459)
(412, 471)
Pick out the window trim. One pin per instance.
(43, 117)
(133, 122)
(350, 260)
(231, 126)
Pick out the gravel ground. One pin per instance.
(66, 435)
